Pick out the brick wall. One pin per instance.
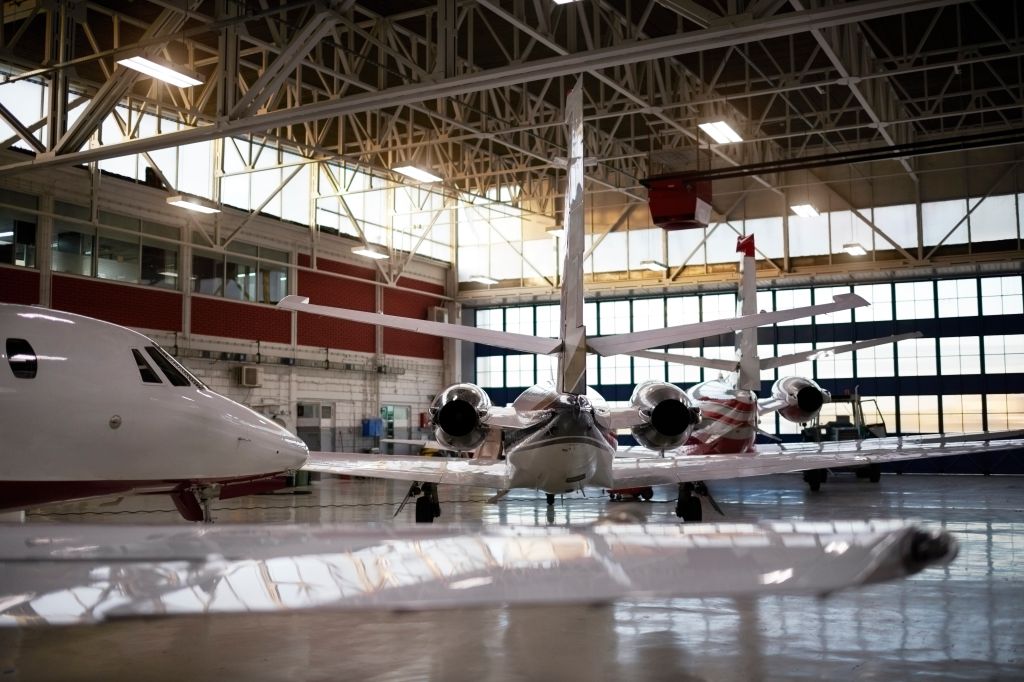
(237, 320)
(418, 307)
(323, 289)
(19, 285)
(130, 306)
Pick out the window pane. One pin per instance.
(914, 300)
(613, 317)
(1004, 354)
(272, 283)
(919, 413)
(490, 371)
(118, 257)
(682, 310)
(207, 274)
(519, 370)
(1002, 296)
(240, 279)
(916, 357)
(961, 413)
(615, 370)
(787, 299)
(994, 218)
(880, 298)
(648, 313)
(519, 320)
(72, 248)
(958, 297)
(825, 295)
(960, 355)
(547, 320)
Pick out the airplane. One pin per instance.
(90, 408)
(560, 437)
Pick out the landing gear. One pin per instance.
(645, 493)
(551, 499)
(193, 502)
(815, 477)
(428, 507)
(688, 506)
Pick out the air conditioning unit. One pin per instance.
(248, 376)
(439, 313)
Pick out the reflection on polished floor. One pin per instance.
(961, 622)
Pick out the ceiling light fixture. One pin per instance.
(721, 132)
(855, 249)
(193, 203)
(653, 265)
(563, 2)
(804, 210)
(367, 252)
(174, 75)
(417, 174)
(483, 279)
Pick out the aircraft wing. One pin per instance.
(520, 342)
(75, 574)
(641, 341)
(456, 471)
(634, 467)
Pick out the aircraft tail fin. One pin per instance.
(572, 362)
(748, 376)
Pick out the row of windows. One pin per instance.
(967, 297)
(494, 249)
(127, 249)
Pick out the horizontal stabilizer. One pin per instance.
(519, 342)
(620, 344)
(820, 353)
(681, 359)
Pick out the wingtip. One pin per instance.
(293, 301)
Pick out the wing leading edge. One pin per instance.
(54, 574)
(455, 471)
(641, 467)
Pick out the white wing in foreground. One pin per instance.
(79, 574)
(456, 471)
(641, 467)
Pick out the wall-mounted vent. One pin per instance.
(249, 376)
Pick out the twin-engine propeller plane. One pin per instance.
(560, 437)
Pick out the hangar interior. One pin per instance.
(187, 211)
(304, 110)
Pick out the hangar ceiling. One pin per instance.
(473, 90)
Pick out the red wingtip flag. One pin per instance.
(745, 245)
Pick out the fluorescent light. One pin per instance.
(369, 253)
(721, 132)
(417, 174)
(167, 74)
(855, 249)
(483, 279)
(804, 210)
(653, 265)
(192, 203)
(563, 2)
(8, 233)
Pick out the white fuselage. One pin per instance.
(563, 451)
(88, 414)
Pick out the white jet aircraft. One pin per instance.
(90, 408)
(560, 438)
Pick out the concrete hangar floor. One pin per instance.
(961, 622)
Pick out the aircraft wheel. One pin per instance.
(647, 494)
(815, 477)
(874, 473)
(689, 509)
(424, 510)
(551, 499)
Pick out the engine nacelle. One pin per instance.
(802, 396)
(457, 415)
(668, 415)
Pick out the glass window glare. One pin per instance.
(915, 300)
(1004, 410)
(919, 413)
(1002, 296)
(958, 297)
(961, 413)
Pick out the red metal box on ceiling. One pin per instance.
(678, 203)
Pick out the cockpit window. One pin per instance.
(22, 358)
(147, 372)
(175, 373)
